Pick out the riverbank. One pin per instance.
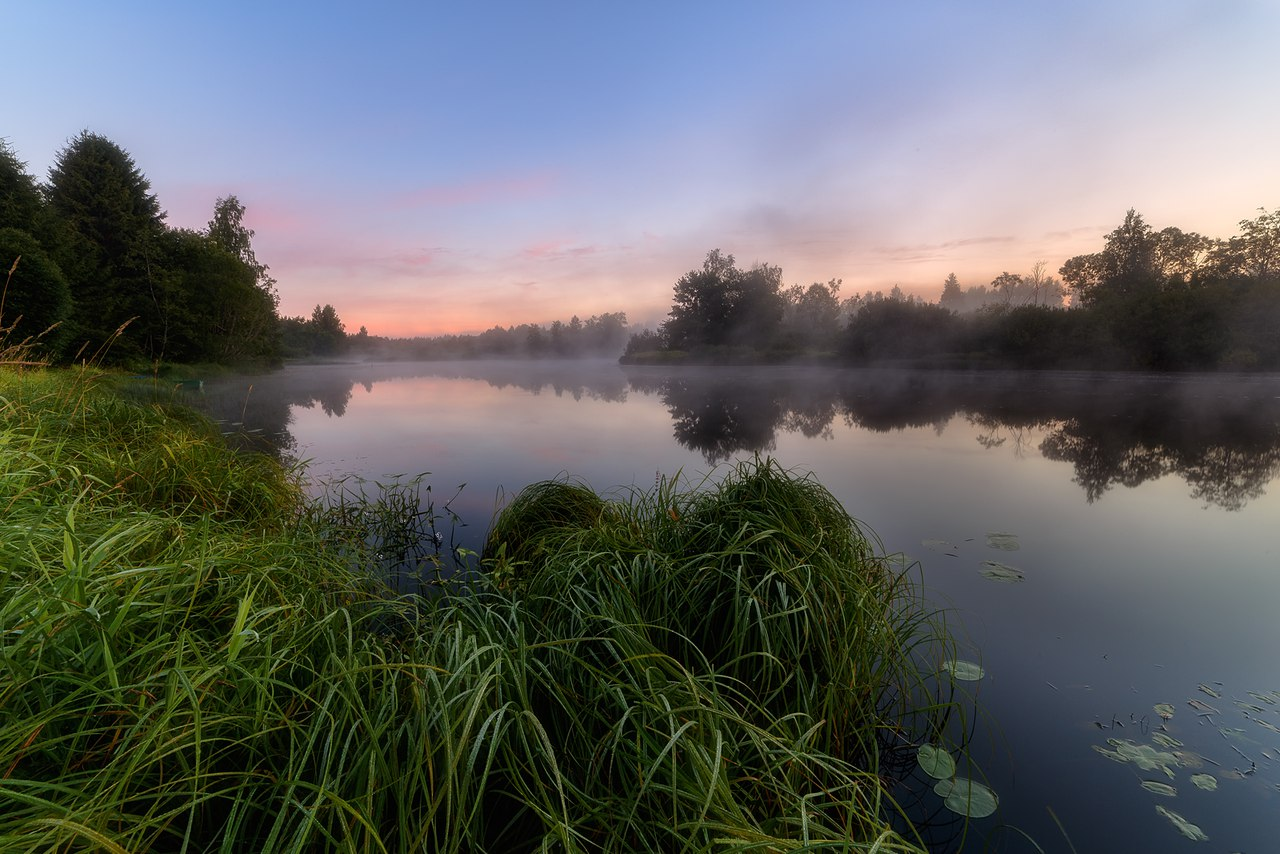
(194, 658)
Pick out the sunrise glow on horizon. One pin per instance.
(431, 169)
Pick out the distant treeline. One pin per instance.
(1167, 300)
(602, 335)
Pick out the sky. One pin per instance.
(432, 168)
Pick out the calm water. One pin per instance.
(1146, 511)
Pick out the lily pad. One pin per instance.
(967, 797)
(965, 671)
(1004, 542)
(1144, 756)
(1184, 827)
(1001, 572)
(1205, 781)
(1165, 740)
(1188, 759)
(939, 546)
(936, 762)
(1110, 754)
(1164, 710)
(1160, 788)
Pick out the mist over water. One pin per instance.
(1143, 507)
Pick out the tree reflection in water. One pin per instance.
(1219, 434)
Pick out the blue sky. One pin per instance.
(430, 167)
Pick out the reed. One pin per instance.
(194, 658)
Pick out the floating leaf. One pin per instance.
(1239, 736)
(936, 762)
(1000, 572)
(1002, 541)
(1205, 781)
(1188, 759)
(1160, 788)
(1165, 740)
(939, 545)
(1184, 827)
(1144, 756)
(966, 797)
(1164, 710)
(1110, 754)
(1249, 707)
(1265, 698)
(1207, 690)
(1267, 724)
(966, 671)
(1202, 708)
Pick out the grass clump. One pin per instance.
(192, 660)
(736, 655)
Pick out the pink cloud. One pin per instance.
(414, 260)
(937, 251)
(556, 250)
(190, 205)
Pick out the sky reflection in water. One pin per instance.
(1145, 509)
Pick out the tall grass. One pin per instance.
(750, 620)
(188, 662)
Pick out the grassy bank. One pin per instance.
(192, 659)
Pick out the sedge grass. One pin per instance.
(192, 660)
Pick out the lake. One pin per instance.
(1144, 514)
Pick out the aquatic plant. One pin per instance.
(1186, 828)
(965, 671)
(967, 797)
(936, 762)
(1000, 572)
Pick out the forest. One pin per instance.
(1148, 300)
(93, 271)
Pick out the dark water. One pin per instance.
(1146, 510)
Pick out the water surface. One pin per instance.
(1146, 510)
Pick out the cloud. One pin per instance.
(556, 250)
(1075, 233)
(475, 192)
(910, 253)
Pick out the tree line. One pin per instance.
(600, 335)
(93, 271)
(1148, 300)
